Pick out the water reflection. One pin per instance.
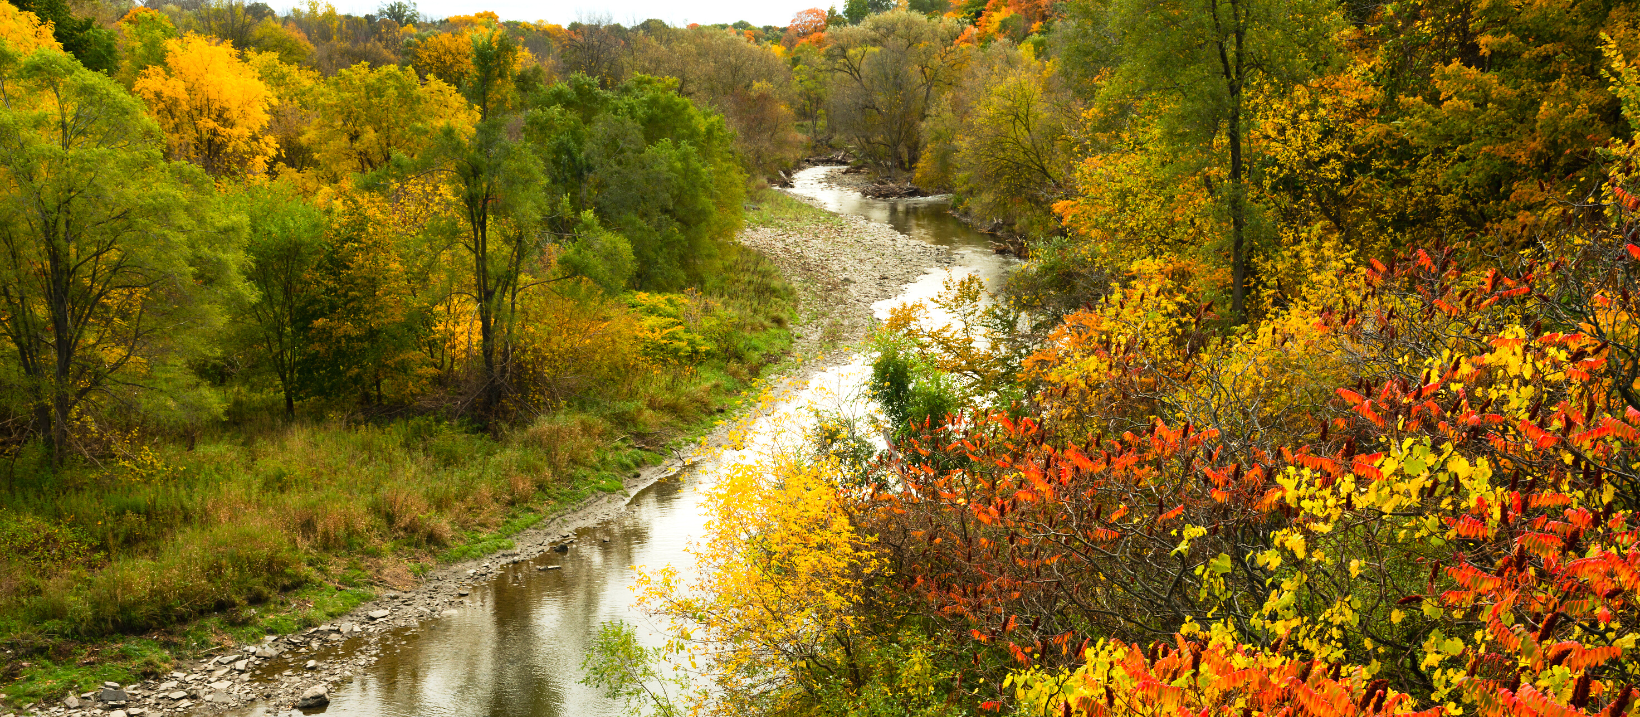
(514, 649)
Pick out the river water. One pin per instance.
(514, 649)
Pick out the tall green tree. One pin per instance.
(1195, 63)
(286, 242)
(111, 276)
(498, 182)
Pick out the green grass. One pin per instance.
(113, 571)
(777, 210)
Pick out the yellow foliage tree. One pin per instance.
(363, 115)
(289, 116)
(212, 106)
(24, 31)
(779, 569)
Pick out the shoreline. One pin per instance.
(840, 266)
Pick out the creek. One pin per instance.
(514, 648)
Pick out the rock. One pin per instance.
(72, 702)
(311, 665)
(226, 659)
(378, 614)
(113, 695)
(449, 613)
(315, 696)
(117, 713)
(463, 593)
(224, 684)
(114, 685)
(241, 665)
(560, 549)
(167, 687)
(136, 712)
(266, 652)
(555, 567)
(176, 695)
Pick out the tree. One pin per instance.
(747, 83)
(364, 115)
(286, 243)
(228, 20)
(1198, 62)
(769, 616)
(889, 70)
(105, 285)
(596, 48)
(400, 11)
(497, 181)
(93, 46)
(654, 167)
(212, 105)
(143, 34)
(1001, 138)
(858, 10)
(803, 24)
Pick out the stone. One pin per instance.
(117, 713)
(242, 665)
(114, 685)
(266, 652)
(176, 695)
(224, 684)
(136, 712)
(464, 593)
(72, 702)
(449, 613)
(167, 687)
(112, 695)
(378, 614)
(311, 665)
(315, 696)
(561, 549)
(225, 659)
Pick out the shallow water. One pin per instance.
(514, 649)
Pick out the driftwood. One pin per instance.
(891, 190)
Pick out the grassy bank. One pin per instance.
(113, 568)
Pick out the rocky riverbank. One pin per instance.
(841, 266)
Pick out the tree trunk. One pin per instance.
(1238, 219)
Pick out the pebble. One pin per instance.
(378, 614)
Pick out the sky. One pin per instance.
(626, 12)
